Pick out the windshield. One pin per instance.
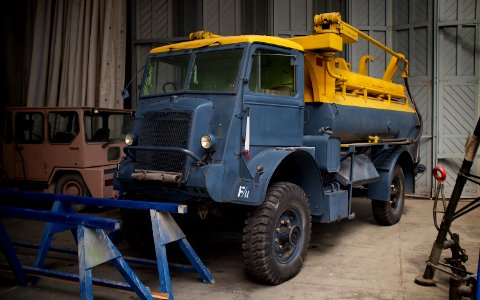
(165, 75)
(107, 126)
(211, 71)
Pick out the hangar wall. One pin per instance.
(440, 38)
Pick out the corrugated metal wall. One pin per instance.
(292, 17)
(457, 29)
(222, 16)
(413, 36)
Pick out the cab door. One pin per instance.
(273, 99)
(29, 146)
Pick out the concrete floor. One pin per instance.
(353, 259)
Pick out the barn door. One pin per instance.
(371, 17)
(292, 17)
(413, 36)
(222, 17)
(458, 49)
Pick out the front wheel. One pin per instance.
(276, 234)
(389, 212)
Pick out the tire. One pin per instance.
(137, 229)
(387, 213)
(276, 235)
(71, 184)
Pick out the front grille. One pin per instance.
(164, 128)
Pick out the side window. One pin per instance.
(29, 128)
(272, 73)
(96, 127)
(63, 127)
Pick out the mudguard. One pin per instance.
(385, 165)
(296, 165)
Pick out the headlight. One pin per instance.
(129, 139)
(207, 141)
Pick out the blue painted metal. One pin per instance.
(355, 124)
(84, 274)
(11, 256)
(385, 164)
(34, 271)
(128, 259)
(58, 217)
(295, 163)
(195, 261)
(52, 228)
(95, 247)
(132, 204)
(165, 230)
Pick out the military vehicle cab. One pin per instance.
(70, 150)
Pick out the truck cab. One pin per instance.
(70, 150)
(196, 111)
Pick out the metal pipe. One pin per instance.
(379, 44)
(127, 150)
(330, 71)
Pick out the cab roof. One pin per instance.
(226, 40)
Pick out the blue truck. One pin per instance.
(278, 128)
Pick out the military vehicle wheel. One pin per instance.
(276, 234)
(389, 212)
(137, 229)
(71, 184)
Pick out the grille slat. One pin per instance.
(166, 128)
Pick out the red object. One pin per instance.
(440, 174)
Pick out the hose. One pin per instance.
(419, 116)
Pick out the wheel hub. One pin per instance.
(394, 195)
(72, 188)
(288, 234)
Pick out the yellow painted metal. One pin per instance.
(342, 63)
(349, 88)
(363, 64)
(226, 40)
(391, 69)
(370, 102)
(198, 35)
(330, 42)
(328, 78)
(332, 23)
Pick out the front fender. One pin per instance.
(295, 165)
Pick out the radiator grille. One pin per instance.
(164, 128)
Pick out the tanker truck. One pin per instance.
(277, 130)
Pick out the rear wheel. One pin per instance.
(389, 212)
(276, 234)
